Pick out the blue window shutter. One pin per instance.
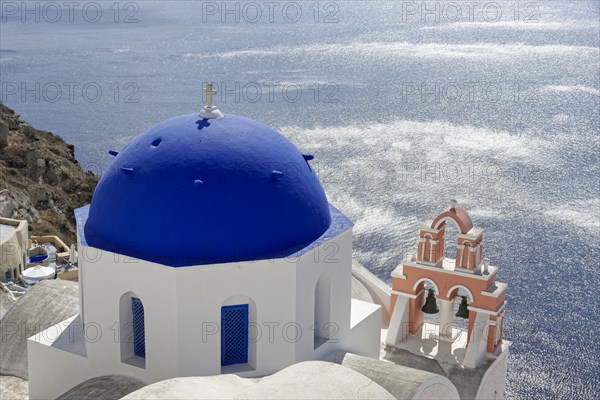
(139, 337)
(234, 334)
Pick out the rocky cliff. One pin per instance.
(40, 180)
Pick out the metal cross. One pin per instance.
(210, 92)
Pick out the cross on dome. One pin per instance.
(210, 111)
(210, 92)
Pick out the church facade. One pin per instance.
(209, 248)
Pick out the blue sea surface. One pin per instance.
(405, 105)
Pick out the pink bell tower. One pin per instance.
(469, 272)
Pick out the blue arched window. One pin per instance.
(139, 335)
(234, 334)
(322, 323)
(132, 330)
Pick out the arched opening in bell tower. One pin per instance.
(451, 233)
(429, 303)
(461, 298)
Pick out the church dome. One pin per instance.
(192, 191)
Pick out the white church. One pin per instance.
(210, 248)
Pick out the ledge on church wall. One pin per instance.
(135, 361)
(237, 368)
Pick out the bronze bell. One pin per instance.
(430, 306)
(463, 311)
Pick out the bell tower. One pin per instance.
(429, 283)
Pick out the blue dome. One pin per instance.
(192, 191)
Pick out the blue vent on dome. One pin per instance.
(234, 334)
(139, 336)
